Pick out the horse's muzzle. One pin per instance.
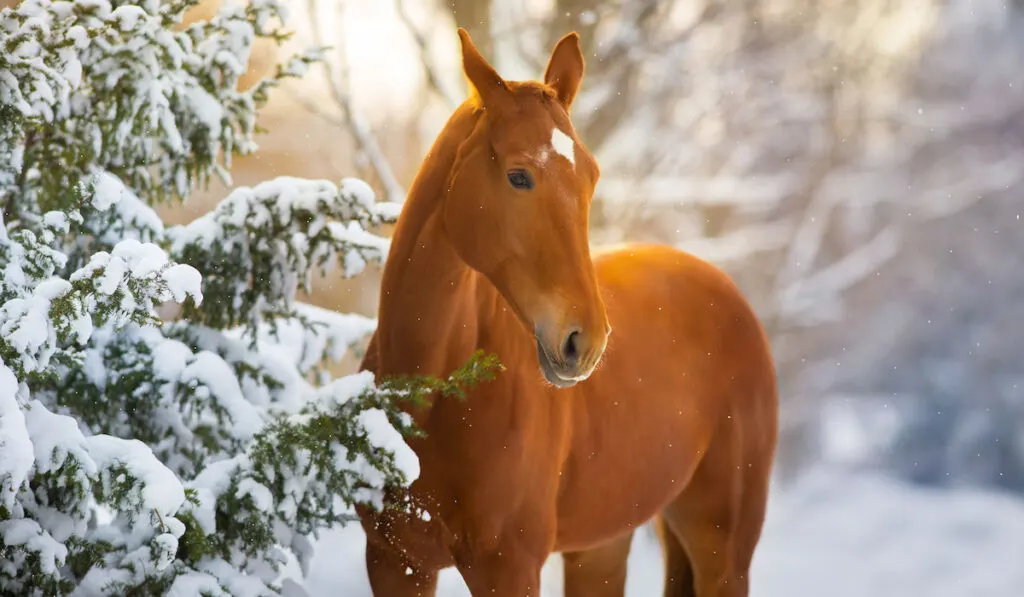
(555, 372)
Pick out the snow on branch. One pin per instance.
(129, 94)
(15, 442)
(308, 469)
(117, 287)
(260, 244)
(123, 475)
(312, 336)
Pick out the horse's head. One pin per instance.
(518, 203)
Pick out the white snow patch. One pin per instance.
(196, 583)
(343, 389)
(262, 498)
(297, 347)
(15, 443)
(359, 190)
(184, 281)
(128, 17)
(107, 190)
(380, 433)
(211, 483)
(26, 325)
(162, 489)
(166, 546)
(210, 370)
(27, 532)
(54, 438)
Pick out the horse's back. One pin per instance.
(652, 270)
(653, 290)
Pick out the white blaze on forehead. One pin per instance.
(563, 145)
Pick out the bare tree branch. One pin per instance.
(360, 129)
(801, 303)
(434, 81)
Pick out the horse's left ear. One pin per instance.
(484, 81)
(565, 69)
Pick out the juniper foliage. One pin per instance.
(143, 457)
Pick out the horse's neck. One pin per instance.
(429, 296)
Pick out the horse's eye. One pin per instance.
(520, 179)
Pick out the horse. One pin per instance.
(586, 435)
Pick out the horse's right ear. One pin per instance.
(486, 86)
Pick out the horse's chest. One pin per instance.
(495, 446)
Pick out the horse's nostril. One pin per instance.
(571, 349)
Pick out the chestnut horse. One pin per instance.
(677, 419)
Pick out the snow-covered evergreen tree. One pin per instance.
(143, 457)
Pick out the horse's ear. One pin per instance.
(486, 86)
(565, 69)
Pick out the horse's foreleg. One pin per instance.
(391, 576)
(599, 571)
(503, 571)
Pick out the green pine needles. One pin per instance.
(142, 457)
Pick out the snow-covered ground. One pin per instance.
(832, 533)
